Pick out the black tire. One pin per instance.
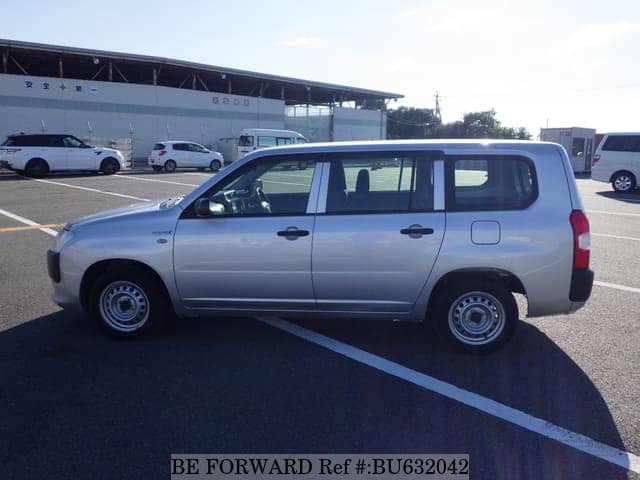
(109, 166)
(461, 303)
(169, 166)
(156, 168)
(623, 182)
(36, 167)
(215, 165)
(126, 280)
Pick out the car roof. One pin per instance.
(622, 133)
(171, 142)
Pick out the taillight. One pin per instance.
(581, 239)
(162, 152)
(595, 159)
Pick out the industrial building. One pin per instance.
(132, 101)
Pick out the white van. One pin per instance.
(617, 161)
(255, 138)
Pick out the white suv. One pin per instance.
(36, 155)
(179, 154)
(617, 161)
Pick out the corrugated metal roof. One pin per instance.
(351, 92)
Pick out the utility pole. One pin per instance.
(436, 110)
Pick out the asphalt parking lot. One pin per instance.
(77, 404)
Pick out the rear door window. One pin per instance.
(376, 182)
(490, 182)
(181, 147)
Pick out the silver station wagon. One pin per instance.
(440, 232)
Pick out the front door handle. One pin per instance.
(293, 232)
(416, 230)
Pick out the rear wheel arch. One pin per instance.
(97, 269)
(631, 175)
(490, 275)
(32, 162)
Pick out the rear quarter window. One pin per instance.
(622, 143)
(490, 182)
(158, 146)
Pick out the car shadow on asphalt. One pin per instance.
(79, 404)
(632, 197)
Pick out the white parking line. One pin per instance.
(154, 180)
(617, 286)
(88, 189)
(621, 237)
(26, 221)
(621, 214)
(499, 410)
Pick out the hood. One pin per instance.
(125, 212)
(110, 151)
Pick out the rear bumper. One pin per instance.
(53, 265)
(5, 164)
(581, 284)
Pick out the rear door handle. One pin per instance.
(417, 230)
(293, 232)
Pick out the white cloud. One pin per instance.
(298, 42)
(598, 35)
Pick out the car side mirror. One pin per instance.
(206, 208)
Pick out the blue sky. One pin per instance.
(575, 63)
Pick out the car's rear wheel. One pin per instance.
(36, 167)
(109, 166)
(476, 315)
(129, 302)
(623, 182)
(169, 166)
(215, 165)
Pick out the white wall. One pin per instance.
(109, 110)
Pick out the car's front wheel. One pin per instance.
(109, 166)
(215, 165)
(476, 315)
(623, 182)
(129, 302)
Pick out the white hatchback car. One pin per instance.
(179, 154)
(38, 154)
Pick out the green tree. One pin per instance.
(409, 122)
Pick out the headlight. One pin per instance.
(63, 238)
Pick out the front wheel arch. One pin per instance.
(94, 271)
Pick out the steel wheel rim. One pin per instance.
(124, 306)
(623, 182)
(476, 318)
(170, 166)
(215, 165)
